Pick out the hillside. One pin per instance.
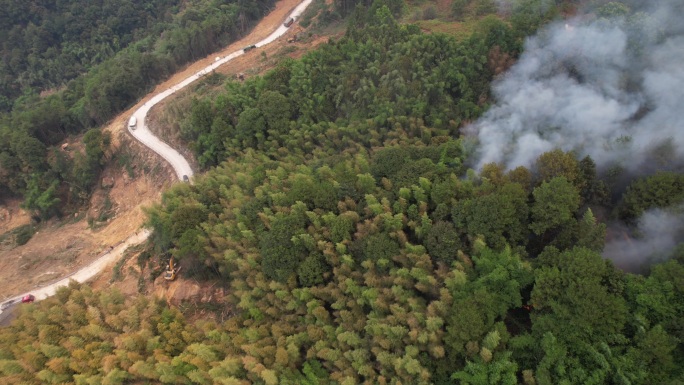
(497, 205)
(134, 177)
(62, 80)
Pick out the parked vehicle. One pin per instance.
(132, 122)
(186, 179)
(288, 22)
(28, 298)
(249, 48)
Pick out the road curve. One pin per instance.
(175, 159)
(143, 133)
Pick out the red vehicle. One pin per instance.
(28, 298)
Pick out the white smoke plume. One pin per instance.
(659, 231)
(611, 90)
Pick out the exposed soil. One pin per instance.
(62, 246)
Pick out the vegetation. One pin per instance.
(359, 248)
(61, 76)
(23, 234)
(662, 189)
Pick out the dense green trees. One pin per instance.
(384, 77)
(45, 45)
(358, 222)
(555, 204)
(389, 313)
(357, 248)
(501, 217)
(79, 336)
(385, 284)
(41, 201)
(93, 73)
(663, 189)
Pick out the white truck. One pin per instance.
(132, 122)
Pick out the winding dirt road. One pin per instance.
(143, 133)
(180, 165)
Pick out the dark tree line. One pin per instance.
(48, 43)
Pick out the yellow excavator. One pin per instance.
(171, 271)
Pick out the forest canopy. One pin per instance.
(71, 66)
(357, 246)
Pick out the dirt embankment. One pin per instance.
(65, 245)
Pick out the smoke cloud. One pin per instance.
(608, 89)
(658, 232)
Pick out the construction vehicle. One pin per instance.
(171, 271)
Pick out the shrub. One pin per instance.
(24, 234)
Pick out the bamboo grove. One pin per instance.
(358, 247)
